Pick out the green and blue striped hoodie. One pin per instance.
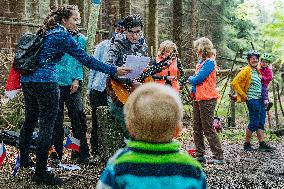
(150, 165)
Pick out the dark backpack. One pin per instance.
(27, 50)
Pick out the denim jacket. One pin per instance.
(97, 80)
(69, 69)
(54, 47)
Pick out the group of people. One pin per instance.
(150, 118)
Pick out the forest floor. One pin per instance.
(241, 169)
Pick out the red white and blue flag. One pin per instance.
(72, 143)
(3, 153)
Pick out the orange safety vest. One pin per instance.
(172, 70)
(207, 89)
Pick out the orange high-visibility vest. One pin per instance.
(207, 89)
(172, 70)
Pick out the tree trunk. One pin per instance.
(152, 26)
(92, 26)
(177, 22)
(193, 30)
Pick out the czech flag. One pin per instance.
(2, 153)
(72, 143)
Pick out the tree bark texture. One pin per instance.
(110, 136)
(152, 26)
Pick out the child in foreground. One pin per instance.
(153, 115)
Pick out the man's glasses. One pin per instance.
(138, 32)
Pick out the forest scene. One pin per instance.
(234, 27)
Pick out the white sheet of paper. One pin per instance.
(137, 63)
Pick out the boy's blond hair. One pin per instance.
(166, 46)
(205, 46)
(153, 113)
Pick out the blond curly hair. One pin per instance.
(205, 46)
(153, 113)
(166, 46)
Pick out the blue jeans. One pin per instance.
(257, 114)
(41, 105)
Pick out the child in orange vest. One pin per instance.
(174, 72)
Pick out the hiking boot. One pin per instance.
(201, 159)
(47, 178)
(270, 104)
(264, 147)
(216, 161)
(247, 146)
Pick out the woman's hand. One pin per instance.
(121, 71)
(74, 87)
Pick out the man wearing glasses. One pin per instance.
(132, 43)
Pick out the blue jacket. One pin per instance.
(69, 69)
(148, 165)
(54, 47)
(97, 80)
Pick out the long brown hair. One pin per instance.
(55, 17)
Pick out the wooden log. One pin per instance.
(110, 135)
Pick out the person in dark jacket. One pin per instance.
(41, 92)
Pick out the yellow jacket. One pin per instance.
(241, 83)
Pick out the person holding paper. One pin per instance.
(132, 43)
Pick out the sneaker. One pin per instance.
(247, 146)
(264, 147)
(216, 161)
(47, 178)
(201, 159)
(270, 104)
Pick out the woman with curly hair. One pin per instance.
(205, 99)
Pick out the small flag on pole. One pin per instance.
(17, 166)
(72, 143)
(3, 153)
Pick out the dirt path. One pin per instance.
(241, 170)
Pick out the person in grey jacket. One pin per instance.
(130, 44)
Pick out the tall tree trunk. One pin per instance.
(152, 26)
(177, 22)
(92, 26)
(193, 29)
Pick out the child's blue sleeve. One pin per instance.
(107, 179)
(204, 72)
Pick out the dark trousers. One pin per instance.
(77, 116)
(203, 116)
(41, 105)
(97, 98)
